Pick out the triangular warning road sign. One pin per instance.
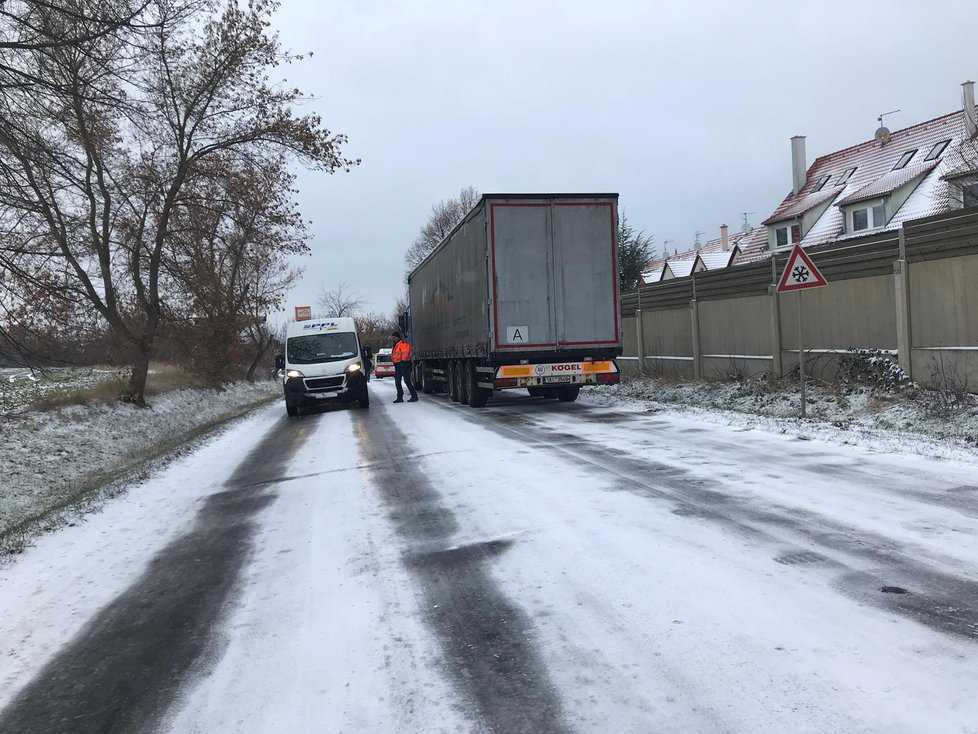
(800, 273)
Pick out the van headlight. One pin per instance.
(355, 367)
(293, 373)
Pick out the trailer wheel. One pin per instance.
(478, 396)
(426, 383)
(461, 377)
(453, 386)
(568, 394)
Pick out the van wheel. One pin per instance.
(292, 410)
(568, 394)
(478, 396)
(453, 387)
(364, 402)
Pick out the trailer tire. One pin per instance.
(426, 383)
(453, 386)
(568, 394)
(461, 378)
(478, 396)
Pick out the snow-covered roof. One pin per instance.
(798, 206)
(680, 267)
(720, 259)
(873, 176)
(653, 276)
(890, 182)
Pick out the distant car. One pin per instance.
(383, 367)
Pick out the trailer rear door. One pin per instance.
(554, 273)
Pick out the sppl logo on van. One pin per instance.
(321, 325)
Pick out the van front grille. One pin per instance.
(324, 383)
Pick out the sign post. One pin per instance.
(800, 273)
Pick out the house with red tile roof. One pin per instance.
(926, 169)
(877, 185)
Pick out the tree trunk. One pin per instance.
(259, 354)
(136, 392)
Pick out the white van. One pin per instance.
(324, 362)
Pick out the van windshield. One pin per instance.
(322, 348)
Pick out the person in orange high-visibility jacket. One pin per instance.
(401, 357)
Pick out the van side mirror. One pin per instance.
(279, 362)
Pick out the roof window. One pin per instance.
(845, 176)
(905, 159)
(821, 183)
(936, 151)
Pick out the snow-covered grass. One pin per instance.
(21, 387)
(898, 421)
(51, 459)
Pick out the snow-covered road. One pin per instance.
(533, 566)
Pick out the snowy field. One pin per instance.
(49, 458)
(19, 386)
(532, 566)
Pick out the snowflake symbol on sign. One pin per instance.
(800, 274)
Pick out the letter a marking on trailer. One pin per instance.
(517, 334)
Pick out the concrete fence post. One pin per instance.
(640, 339)
(694, 312)
(901, 288)
(777, 363)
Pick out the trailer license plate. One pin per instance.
(561, 378)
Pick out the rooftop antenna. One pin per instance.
(665, 247)
(883, 133)
(697, 240)
(747, 226)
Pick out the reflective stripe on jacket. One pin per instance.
(401, 352)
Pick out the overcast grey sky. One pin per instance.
(684, 109)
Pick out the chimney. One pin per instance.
(799, 166)
(968, 104)
(724, 238)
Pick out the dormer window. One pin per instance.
(905, 159)
(783, 236)
(936, 151)
(969, 195)
(821, 183)
(845, 176)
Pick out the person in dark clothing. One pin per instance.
(401, 357)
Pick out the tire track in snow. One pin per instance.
(941, 601)
(125, 668)
(487, 640)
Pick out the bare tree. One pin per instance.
(340, 301)
(95, 172)
(442, 220)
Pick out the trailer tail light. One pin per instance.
(608, 378)
(505, 382)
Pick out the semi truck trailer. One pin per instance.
(522, 294)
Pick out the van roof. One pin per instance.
(321, 326)
(385, 350)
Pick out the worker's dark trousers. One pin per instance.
(402, 371)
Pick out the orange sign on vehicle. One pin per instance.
(516, 370)
(592, 367)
